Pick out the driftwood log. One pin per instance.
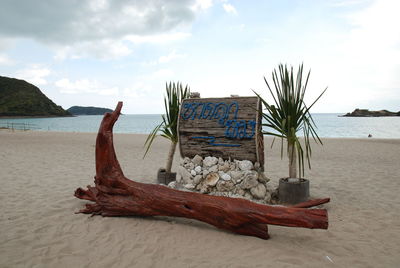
(115, 195)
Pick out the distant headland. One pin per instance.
(368, 113)
(81, 110)
(19, 98)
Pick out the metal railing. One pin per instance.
(18, 126)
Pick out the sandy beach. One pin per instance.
(39, 172)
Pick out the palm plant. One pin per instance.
(289, 115)
(168, 128)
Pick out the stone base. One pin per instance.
(216, 176)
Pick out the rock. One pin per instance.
(216, 176)
(368, 113)
(178, 178)
(262, 178)
(249, 180)
(185, 161)
(197, 169)
(270, 187)
(204, 189)
(259, 191)
(232, 166)
(225, 177)
(267, 197)
(233, 195)
(189, 186)
(189, 166)
(248, 196)
(236, 176)
(213, 168)
(172, 184)
(197, 179)
(185, 175)
(211, 179)
(225, 167)
(225, 186)
(245, 165)
(210, 161)
(239, 191)
(197, 160)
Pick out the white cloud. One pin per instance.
(104, 49)
(361, 65)
(109, 91)
(171, 56)
(34, 74)
(163, 73)
(158, 38)
(84, 86)
(67, 22)
(202, 4)
(5, 60)
(229, 9)
(372, 47)
(347, 3)
(98, 27)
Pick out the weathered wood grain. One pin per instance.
(240, 148)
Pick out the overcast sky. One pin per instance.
(95, 53)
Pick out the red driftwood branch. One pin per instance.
(312, 203)
(115, 195)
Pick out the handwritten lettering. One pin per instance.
(226, 115)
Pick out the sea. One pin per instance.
(329, 125)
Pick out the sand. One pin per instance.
(39, 172)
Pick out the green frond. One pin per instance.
(168, 128)
(289, 114)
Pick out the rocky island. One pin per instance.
(81, 110)
(368, 113)
(19, 98)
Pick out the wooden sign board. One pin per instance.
(222, 127)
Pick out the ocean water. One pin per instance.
(328, 125)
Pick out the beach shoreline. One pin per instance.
(41, 170)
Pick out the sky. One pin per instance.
(99, 52)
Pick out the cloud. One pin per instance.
(5, 60)
(202, 4)
(84, 86)
(104, 49)
(163, 73)
(34, 74)
(75, 20)
(171, 56)
(75, 28)
(158, 38)
(373, 44)
(229, 8)
(347, 3)
(360, 65)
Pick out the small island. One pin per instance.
(81, 110)
(368, 113)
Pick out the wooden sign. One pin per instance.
(222, 127)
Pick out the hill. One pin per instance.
(80, 110)
(368, 113)
(20, 98)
